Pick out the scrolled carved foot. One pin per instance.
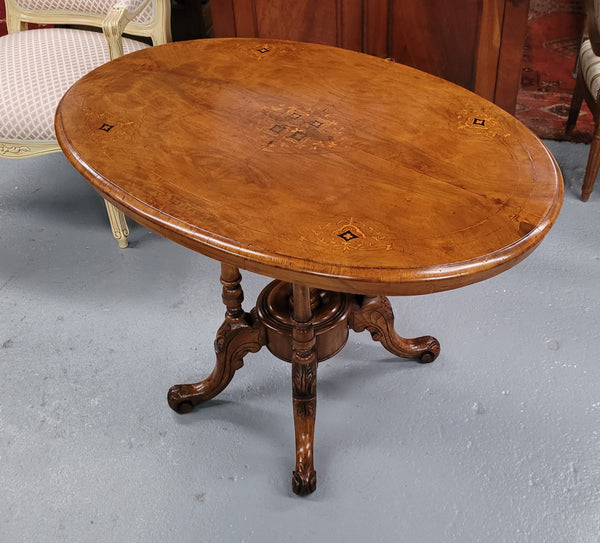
(304, 481)
(375, 315)
(430, 349)
(182, 398)
(234, 341)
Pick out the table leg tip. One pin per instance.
(427, 357)
(303, 485)
(177, 403)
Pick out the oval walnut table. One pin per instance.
(345, 177)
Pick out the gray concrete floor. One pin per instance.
(497, 441)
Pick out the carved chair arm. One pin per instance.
(117, 19)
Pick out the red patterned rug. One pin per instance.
(547, 82)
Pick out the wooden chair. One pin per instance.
(38, 66)
(587, 87)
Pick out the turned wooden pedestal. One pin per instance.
(303, 326)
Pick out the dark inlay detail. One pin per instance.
(277, 128)
(479, 122)
(348, 235)
(298, 136)
(263, 50)
(316, 124)
(295, 115)
(525, 228)
(106, 127)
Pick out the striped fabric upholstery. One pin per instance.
(590, 67)
(89, 7)
(36, 68)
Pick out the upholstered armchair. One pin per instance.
(587, 86)
(38, 66)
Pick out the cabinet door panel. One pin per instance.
(437, 36)
(301, 20)
(330, 22)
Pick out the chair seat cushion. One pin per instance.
(37, 67)
(590, 68)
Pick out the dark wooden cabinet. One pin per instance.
(477, 44)
(188, 20)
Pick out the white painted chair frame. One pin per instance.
(114, 24)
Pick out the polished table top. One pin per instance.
(313, 164)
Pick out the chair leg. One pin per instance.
(576, 101)
(593, 164)
(118, 224)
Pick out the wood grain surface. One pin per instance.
(313, 164)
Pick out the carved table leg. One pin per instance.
(304, 390)
(375, 315)
(240, 334)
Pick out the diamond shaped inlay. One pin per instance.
(316, 124)
(348, 235)
(479, 122)
(277, 128)
(263, 50)
(298, 136)
(106, 127)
